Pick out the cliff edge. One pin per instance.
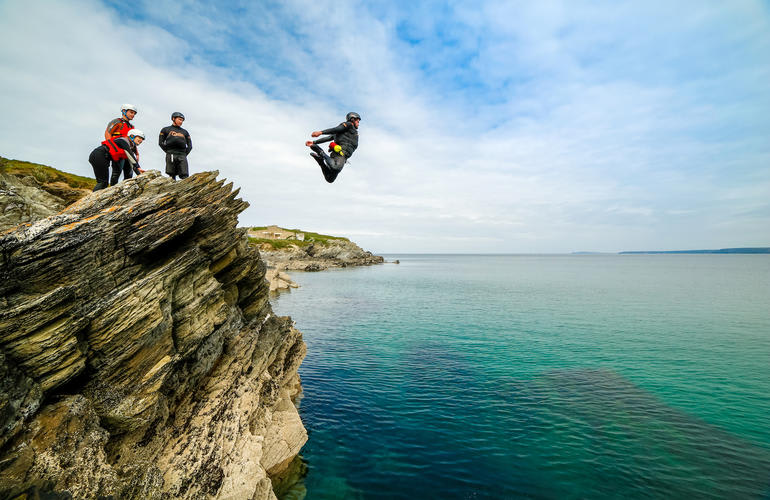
(139, 355)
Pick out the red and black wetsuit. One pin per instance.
(112, 150)
(119, 127)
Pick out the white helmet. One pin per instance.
(135, 132)
(129, 107)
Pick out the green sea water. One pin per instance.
(570, 376)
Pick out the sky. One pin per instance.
(487, 126)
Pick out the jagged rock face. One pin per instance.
(23, 200)
(336, 253)
(139, 356)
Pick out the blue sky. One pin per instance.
(487, 126)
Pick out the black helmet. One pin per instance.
(177, 114)
(352, 115)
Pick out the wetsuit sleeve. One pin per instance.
(162, 139)
(122, 143)
(189, 142)
(335, 130)
(323, 139)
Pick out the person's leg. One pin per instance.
(170, 165)
(100, 163)
(319, 150)
(128, 172)
(336, 162)
(181, 167)
(329, 173)
(117, 168)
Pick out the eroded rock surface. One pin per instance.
(139, 355)
(23, 200)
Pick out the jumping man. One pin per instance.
(344, 139)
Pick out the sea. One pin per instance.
(536, 376)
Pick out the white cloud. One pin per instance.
(574, 157)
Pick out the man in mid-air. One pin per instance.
(344, 139)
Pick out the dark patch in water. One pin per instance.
(616, 439)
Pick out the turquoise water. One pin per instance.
(590, 376)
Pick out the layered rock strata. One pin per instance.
(318, 257)
(139, 355)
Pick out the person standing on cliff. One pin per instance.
(176, 142)
(344, 139)
(114, 150)
(119, 127)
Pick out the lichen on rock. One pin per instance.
(139, 350)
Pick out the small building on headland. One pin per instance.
(276, 233)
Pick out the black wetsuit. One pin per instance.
(346, 135)
(100, 161)
(176, 142)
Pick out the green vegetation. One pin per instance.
(279, 244)
(44, 174)
(310, 239)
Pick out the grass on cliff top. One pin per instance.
(310, 239)
(44, 174)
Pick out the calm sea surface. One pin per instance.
(585, 376)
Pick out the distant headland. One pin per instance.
(721, 250)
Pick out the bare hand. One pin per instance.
(308, 143)
(316, 133)
(141, 171)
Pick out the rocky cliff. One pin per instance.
(139, 355)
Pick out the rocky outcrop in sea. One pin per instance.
(318, 257)
(139, 355)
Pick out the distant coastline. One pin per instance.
(721, 250)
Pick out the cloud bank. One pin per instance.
(490, 127)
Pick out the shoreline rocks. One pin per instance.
(279, 281)
(312, 258)
(318, 257)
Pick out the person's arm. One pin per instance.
(123, 144)
(111, 128)
(334, 130)
(162, 139)
(189, 142)
(323, 139)
(331, 131)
